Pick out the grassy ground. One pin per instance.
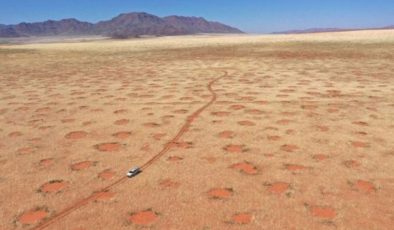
(299, 134)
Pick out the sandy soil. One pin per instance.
(233, 132)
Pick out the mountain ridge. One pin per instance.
(132, 24)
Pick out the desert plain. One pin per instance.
(232, 132)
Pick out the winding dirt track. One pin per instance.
(146, 165)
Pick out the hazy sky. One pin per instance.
(255, 16)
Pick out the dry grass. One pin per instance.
(301, 134)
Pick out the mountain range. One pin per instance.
(322, 30)
(122, 26)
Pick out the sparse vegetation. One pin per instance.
(248, 130)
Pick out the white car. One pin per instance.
(133, 172)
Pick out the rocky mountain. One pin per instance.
(136, 24)
(47, 28)
(199, 25)
(8, 32)
(124, 25)
(51, 28)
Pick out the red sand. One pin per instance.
(76, 135)
(293, 167)
(245, 167)
(53, 187)
(234, 148)
(278, 187)
(81, 165)
(246, 123)
(143, 218)
(220, 193)
(365, 186)
(227, 134)
(320, 157)
(46, 162)
(106, 174)
(108, 147)
(323, 212)
(122, 135)
(242, 218)
(33, 217)
(289, 148)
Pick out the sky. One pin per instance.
(252, 16)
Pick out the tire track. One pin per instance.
(189, 120)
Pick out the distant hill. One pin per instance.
(389, 27)
(124, 25)
(311, 30)
(323, 30)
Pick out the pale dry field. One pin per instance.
(254, 132)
